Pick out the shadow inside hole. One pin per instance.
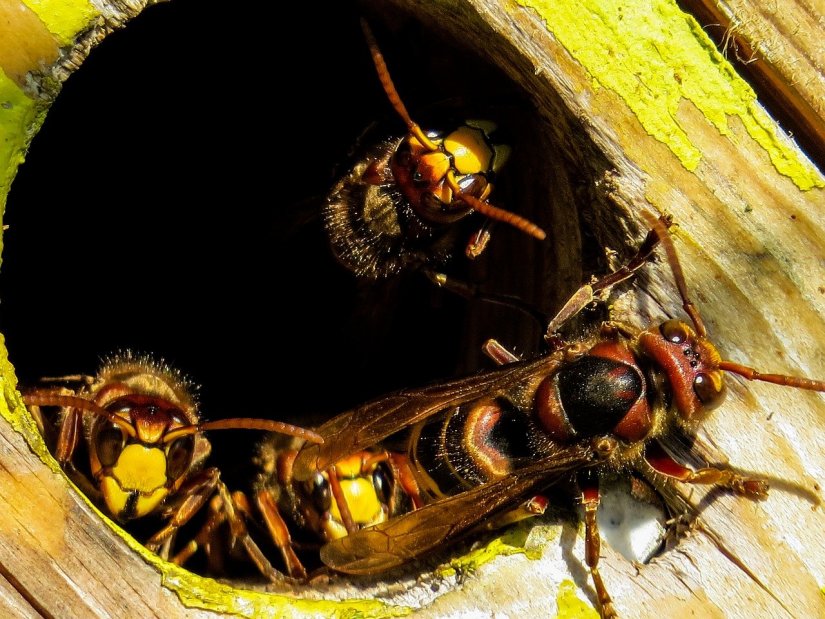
(146, 218)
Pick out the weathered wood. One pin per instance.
(12, 604)
(780, 46)
(753, 247)
(752, 238)
(63, 560)
(57, 556)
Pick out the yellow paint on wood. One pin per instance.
(65, 19)
(25, 43)
(570, 606)
(653, 55)
(18, 120)
(37, 28)
(514, 540)
(197, 592)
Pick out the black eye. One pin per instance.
(675, 331)
(710, 392)
(431, 206)
(108, 442)
(473, 184)
(179, 456)
(320, 494)
(382, 482)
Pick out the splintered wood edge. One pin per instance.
(43, 43)
(750, 237)
(61, 555)
(780, 46)
(55, 551)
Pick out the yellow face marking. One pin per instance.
(444, 193)
(363, 503)
(116, 498)
(140, 468)
(349, 467)
(471, 153)
(362, 500)
(334, 529)
(146, 504)
(433, 167)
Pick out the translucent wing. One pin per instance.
(405, 537)
(367, 425)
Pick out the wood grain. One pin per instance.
(779, 45)
(753, 247)
(62, 560)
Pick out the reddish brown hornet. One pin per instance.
(482, 449)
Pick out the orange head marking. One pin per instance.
(691, 364)
(151, 417)
(450, 188)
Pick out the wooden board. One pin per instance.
(644, 113)
(57, 556)
(751, 237)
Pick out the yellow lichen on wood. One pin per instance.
(724, 203)
(570, 606)
(45, 530)
(33, 33)
(653, 55)
(65, 19)
(18, 118)
(26, 44)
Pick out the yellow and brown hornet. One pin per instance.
(482, 449)
(397, 207)
(146, 442)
